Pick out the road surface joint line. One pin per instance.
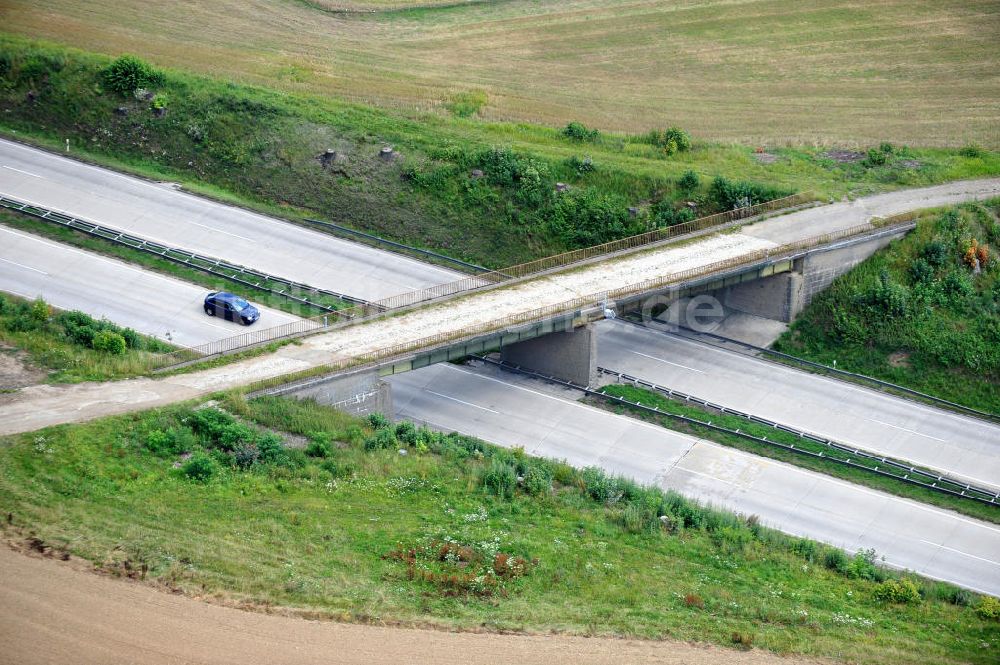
(880, 422)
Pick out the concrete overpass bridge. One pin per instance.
(774, 284)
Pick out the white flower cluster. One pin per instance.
(847, 620)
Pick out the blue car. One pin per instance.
(230, 307)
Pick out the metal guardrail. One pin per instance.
(885, 467)
(884, 386)
(396, 246)
(930, 479)
(217, 267)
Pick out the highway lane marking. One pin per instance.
(455, 399)
(907, 430)
(33, 175)
(212, 228)
(952, 549)
(843, 385)
(700, 371)
(21, 265)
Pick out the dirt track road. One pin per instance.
(51, 612)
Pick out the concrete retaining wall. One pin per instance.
(360, 393)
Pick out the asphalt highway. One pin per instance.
(153, 304)
(512, 411)
(959, 446)
(160, 213)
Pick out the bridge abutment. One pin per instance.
(360, 393)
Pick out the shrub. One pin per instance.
(537, 480)
(689, 181)
(897, 591)
(667, 215)
(40, 310)
(172, 441)
(159, 102)
(670, 140)
(378, 421)
(246, 456)
(5, 304)
(988, 608)
(132, 338)
(835, 559)
(318, 448)
(601, 487)
(500, 479)
(272, 449)
(382, 439)
(111, 342)
(200, 467)
(406, 433)
(578, 132)
(972, 151)
(878, 156)
(589, 217)
(128, 72)
(935, 253)
(732, 195)
(862, 566)
(466, 104)
(921, 272)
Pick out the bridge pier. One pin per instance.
(570, 355)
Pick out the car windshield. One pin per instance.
(239, 303)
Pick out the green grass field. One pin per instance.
(766, 72)
(444, 535)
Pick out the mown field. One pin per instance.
(766, 72)
(320, 512)
(923, 313)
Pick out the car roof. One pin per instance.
(225, 296)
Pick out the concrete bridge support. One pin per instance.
(359, 393)
(570, 356)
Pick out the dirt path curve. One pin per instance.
(41, 406)
(51, 612)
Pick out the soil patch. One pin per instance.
(844, 156)
(899, 359)
(765, 158)
(16, 370)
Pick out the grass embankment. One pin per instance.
(73, 345)
(163, 266)
(768, 72)
(734, 422)
(268, 149)
(447, 534)
(923, 313)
